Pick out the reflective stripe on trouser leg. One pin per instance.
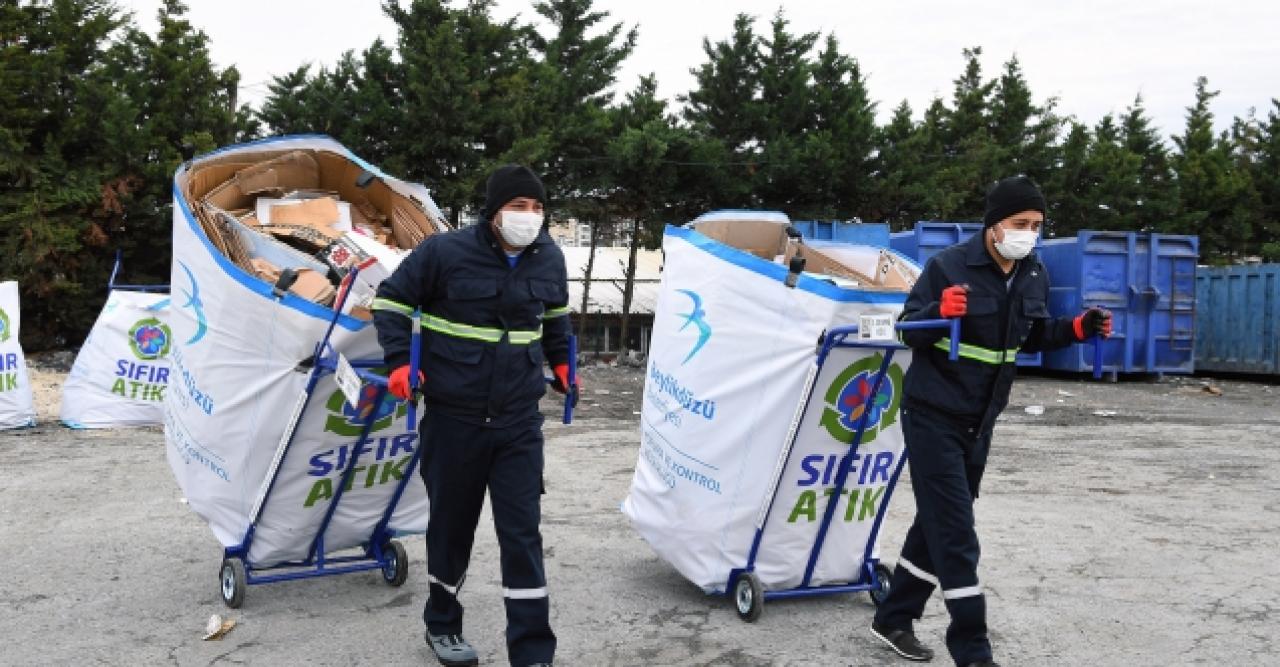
(454, 468)
(911, 584)
(515, 495)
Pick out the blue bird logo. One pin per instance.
(196, 306)
(695, 317)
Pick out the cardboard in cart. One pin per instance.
(739, 424)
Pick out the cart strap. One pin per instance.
(459, 330)
(555, 312)
(976, 353)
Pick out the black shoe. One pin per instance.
(452, 650)
(903, 642)
(983, 663)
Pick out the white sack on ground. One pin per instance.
(732, 349)
(121, 373)
(237, 377)
(16, 409)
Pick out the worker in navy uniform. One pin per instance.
(494, 302)
(998, 287)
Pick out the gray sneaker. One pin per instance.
(452, 650)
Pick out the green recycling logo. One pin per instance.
(150, 339)
(5, 331)
(349, 421)
(849, 401)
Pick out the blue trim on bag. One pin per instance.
(253, 283)
(778, 272)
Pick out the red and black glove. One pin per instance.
(955, 301)
(398, 382)
(1092, 322)
(560, 382)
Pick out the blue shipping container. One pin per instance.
(929, 237)
(865, 233)
(1238, 319)
(1147, 280)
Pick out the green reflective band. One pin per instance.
(555, 312)
(393, 306)
(485, 334)
(976, 353)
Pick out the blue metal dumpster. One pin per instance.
(866, 233)
(1238, 319)
(929, 237)
(1147, 280)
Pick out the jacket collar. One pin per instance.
(976, 250)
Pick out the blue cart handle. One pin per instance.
(1097, 356)
(570, 392)
(415, 360)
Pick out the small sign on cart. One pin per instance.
(348, 381)
(876, 327)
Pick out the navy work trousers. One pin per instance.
(460, 461)
(941, 548)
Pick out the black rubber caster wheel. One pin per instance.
(395, 569)
(233, 582)
(748, 597)
(881, 592)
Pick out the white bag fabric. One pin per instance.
(16, 408)
(121, 374)
(732, 352)
(236, 382)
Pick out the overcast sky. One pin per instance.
(1094, 56)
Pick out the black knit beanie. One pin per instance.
(507, 183)
(1011, 196)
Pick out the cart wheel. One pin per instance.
(233, 580)
(395, 569)
(881, 591)
(748, 597)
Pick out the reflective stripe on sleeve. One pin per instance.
(555, 312)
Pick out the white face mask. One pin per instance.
(1017, 243)
(520, 228)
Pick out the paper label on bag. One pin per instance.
(876, 328)
(348, 381)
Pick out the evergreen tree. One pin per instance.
(1266, 175)
(1157, 197)
(1208, 184)
(58, 163)
(572, 97)
(972, 158)
(1069, 187)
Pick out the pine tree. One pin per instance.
(1157, 201)
(58, 163)
(1208, 183)
(1071, 207)
(1266, 176)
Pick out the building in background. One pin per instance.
(602, 334)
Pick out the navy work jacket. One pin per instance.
(487, 326)
(1006, 314)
